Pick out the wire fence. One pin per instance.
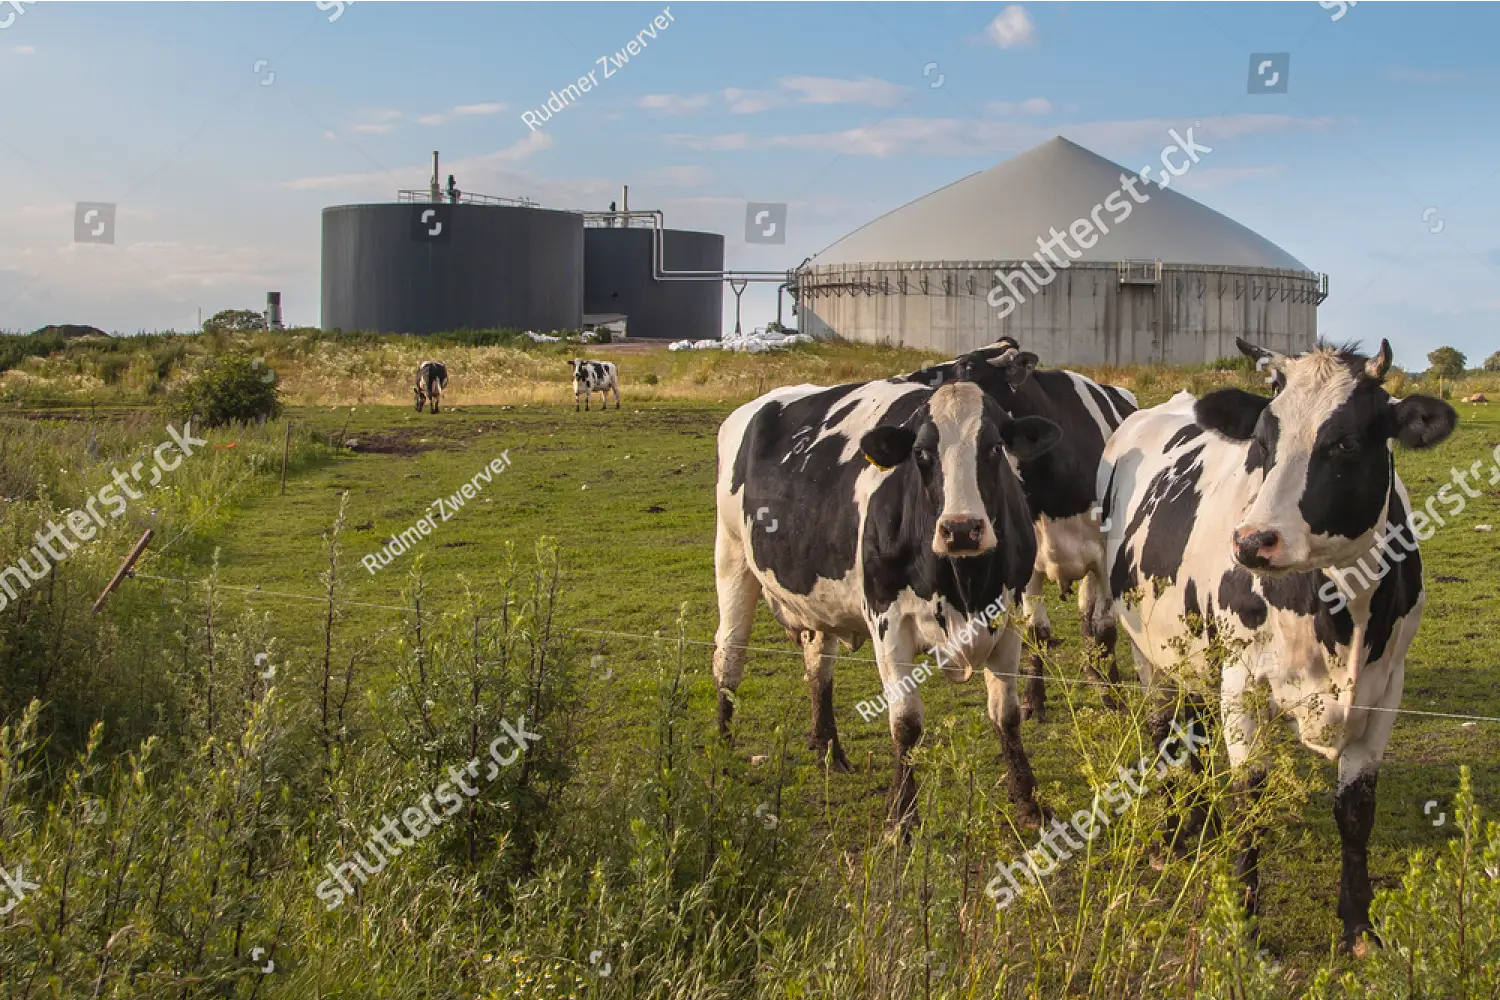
(709, 643)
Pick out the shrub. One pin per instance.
(649, 379)
(1441, 927)
(1446, 362)
(1492, 363)
(233, 389)
(234, 321)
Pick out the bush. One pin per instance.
(234, 321)
(1492, 363)
(233, 389)
(1446, 362)
(649, 379)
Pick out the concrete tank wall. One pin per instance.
(1085, 316)
(617, 278)
(491, 266)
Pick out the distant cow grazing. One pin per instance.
(590, 377)
(1060, 488)
(886, 509)
(1245, 512)
(432, 379)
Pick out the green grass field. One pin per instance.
(628, 497)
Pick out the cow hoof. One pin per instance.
(726, 715)
(1361, 943)
(1037, 712)
(1031, 816)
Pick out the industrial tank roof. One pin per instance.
(999, 213)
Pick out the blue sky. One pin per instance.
(1391, 113)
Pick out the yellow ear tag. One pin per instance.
(882, 468)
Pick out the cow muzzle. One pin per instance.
(963, 536)
(1259, 548)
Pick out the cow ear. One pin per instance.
(887, 447)
(1250, 350)
(1230, 412)
(1377, 366)
(1018, 365)
(1422, 421)
(1029, 437)
(1022, 364)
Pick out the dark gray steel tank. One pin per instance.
(424, 268)
(617, 279)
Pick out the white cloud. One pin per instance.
(964, 137)
(462, 111)
(24, 50)
(674, 104)
(1028, 107)
(752, 102)
(1012, 28)
(789, 90)
(487, 163)
(828, 90)
(375, 121)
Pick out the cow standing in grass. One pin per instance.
(1060, 488)
(432, 379)
(1233, 520)
(590, 377)
(886, 509)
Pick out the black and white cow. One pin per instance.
(886, 509)
(432, 379)
(590, 377)
(1060, 489)
(1237, 511)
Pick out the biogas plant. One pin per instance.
(1165, 279)
(1075, 256)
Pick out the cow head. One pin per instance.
(1323, 445)
(999, 369)
(960, 444)
(575, 363)
(421, 397)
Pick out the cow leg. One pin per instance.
(738, 591)
(575, 400)
(1039, 632)
(1003, 706)
(1177, 833)
(1354, 812)
(895, 654)
(818, 651)
(1096, 612)
(617, 395)
(1247, 791)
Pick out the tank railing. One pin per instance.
(423, 196)
(659, 271)
(1140, 272)
(617, 220)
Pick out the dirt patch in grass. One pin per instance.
(396, 442)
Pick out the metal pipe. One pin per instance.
(436, 189)
(658, 262)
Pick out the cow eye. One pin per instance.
(997, 451)
(1346, 446)
(922, 455)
